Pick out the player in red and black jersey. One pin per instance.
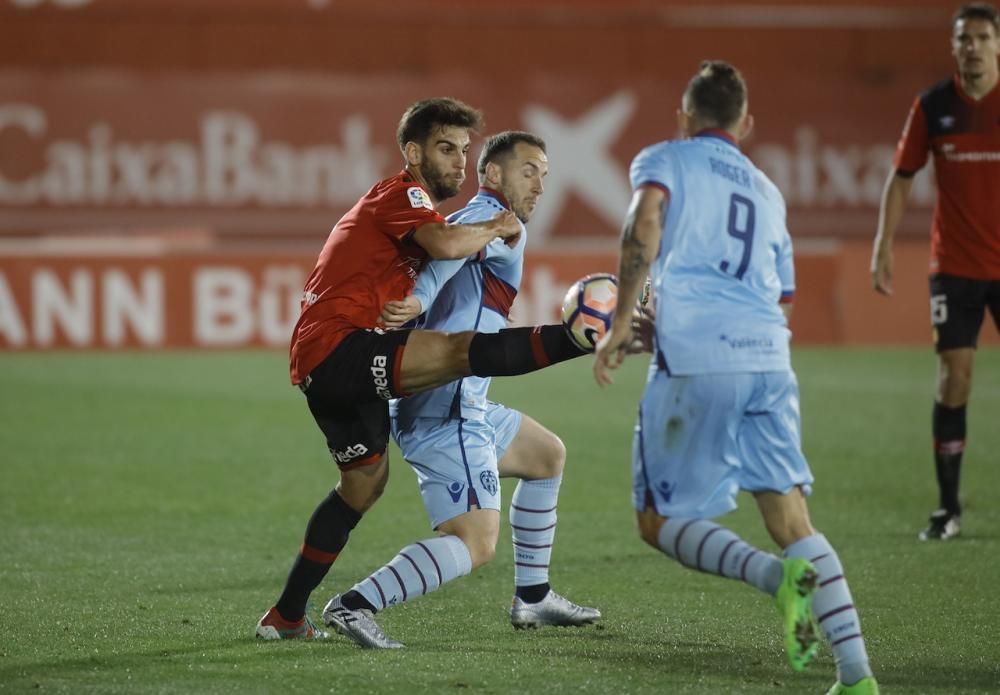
(958, 122)
(347, 363)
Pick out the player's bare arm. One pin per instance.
(639, 246)
(894, 197)
(451, 241)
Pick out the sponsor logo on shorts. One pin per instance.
(455, 490)
(666, 490)
(489, 482)
(380, 377)
(348, 454)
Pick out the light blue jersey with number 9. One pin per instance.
(725, 259)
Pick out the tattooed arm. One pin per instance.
(639, 246)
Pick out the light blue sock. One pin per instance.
(834, 608)
(533, 529)
(707, 547)
(418, 569)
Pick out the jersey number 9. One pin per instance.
(740, 226)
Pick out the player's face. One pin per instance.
(521, 183)
(442, 161)
(975, 45)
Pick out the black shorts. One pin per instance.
(957, 308)
(348, 395)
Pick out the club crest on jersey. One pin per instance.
(489, 482)
(946, 122)
(419, 198)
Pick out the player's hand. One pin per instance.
(881, 268)
(643, 330)
(610, 353)
(507, 227)
(398, 312)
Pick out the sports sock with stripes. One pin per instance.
(515, 351)
(416, 570)
(533, 529)
(708, 547)
(326, 535)
(834, 608)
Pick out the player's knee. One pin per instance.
(458, 350)
(554, 459)
(482, 552)
(788, 530)
(479, 531)
(361, 488)
(954, 378)
(649, 525)
(482, 546)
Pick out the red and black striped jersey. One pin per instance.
(369, 258)
(964, 137)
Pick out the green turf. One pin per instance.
(150, 506)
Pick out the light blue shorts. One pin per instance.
(701, 439)
(456, 460)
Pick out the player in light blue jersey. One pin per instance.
(460, 443)
(720, 412)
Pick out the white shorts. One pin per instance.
(456, 460)
(701, 439)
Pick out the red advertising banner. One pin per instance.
(196, 300)
(287, 155)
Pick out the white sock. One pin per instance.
(707, 547)
(834, 608)
(533, 528)
(418, 569)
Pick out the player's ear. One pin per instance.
(746, 127)
(413, 153)
(493, 174)
(683, 121)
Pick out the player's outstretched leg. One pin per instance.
(834, 609)
(794, 600)
(514, 351)
(533, 528)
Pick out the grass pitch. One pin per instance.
(151, 504)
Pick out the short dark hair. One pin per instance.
(716, 94)
(425, 116)
(502, 144)
(978, 10)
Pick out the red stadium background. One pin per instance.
(170, 168)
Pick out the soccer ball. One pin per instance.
(587, 309)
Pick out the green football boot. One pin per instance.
(794, 599)
(865, 686)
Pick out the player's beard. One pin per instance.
(441, 187)
(521, 208)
